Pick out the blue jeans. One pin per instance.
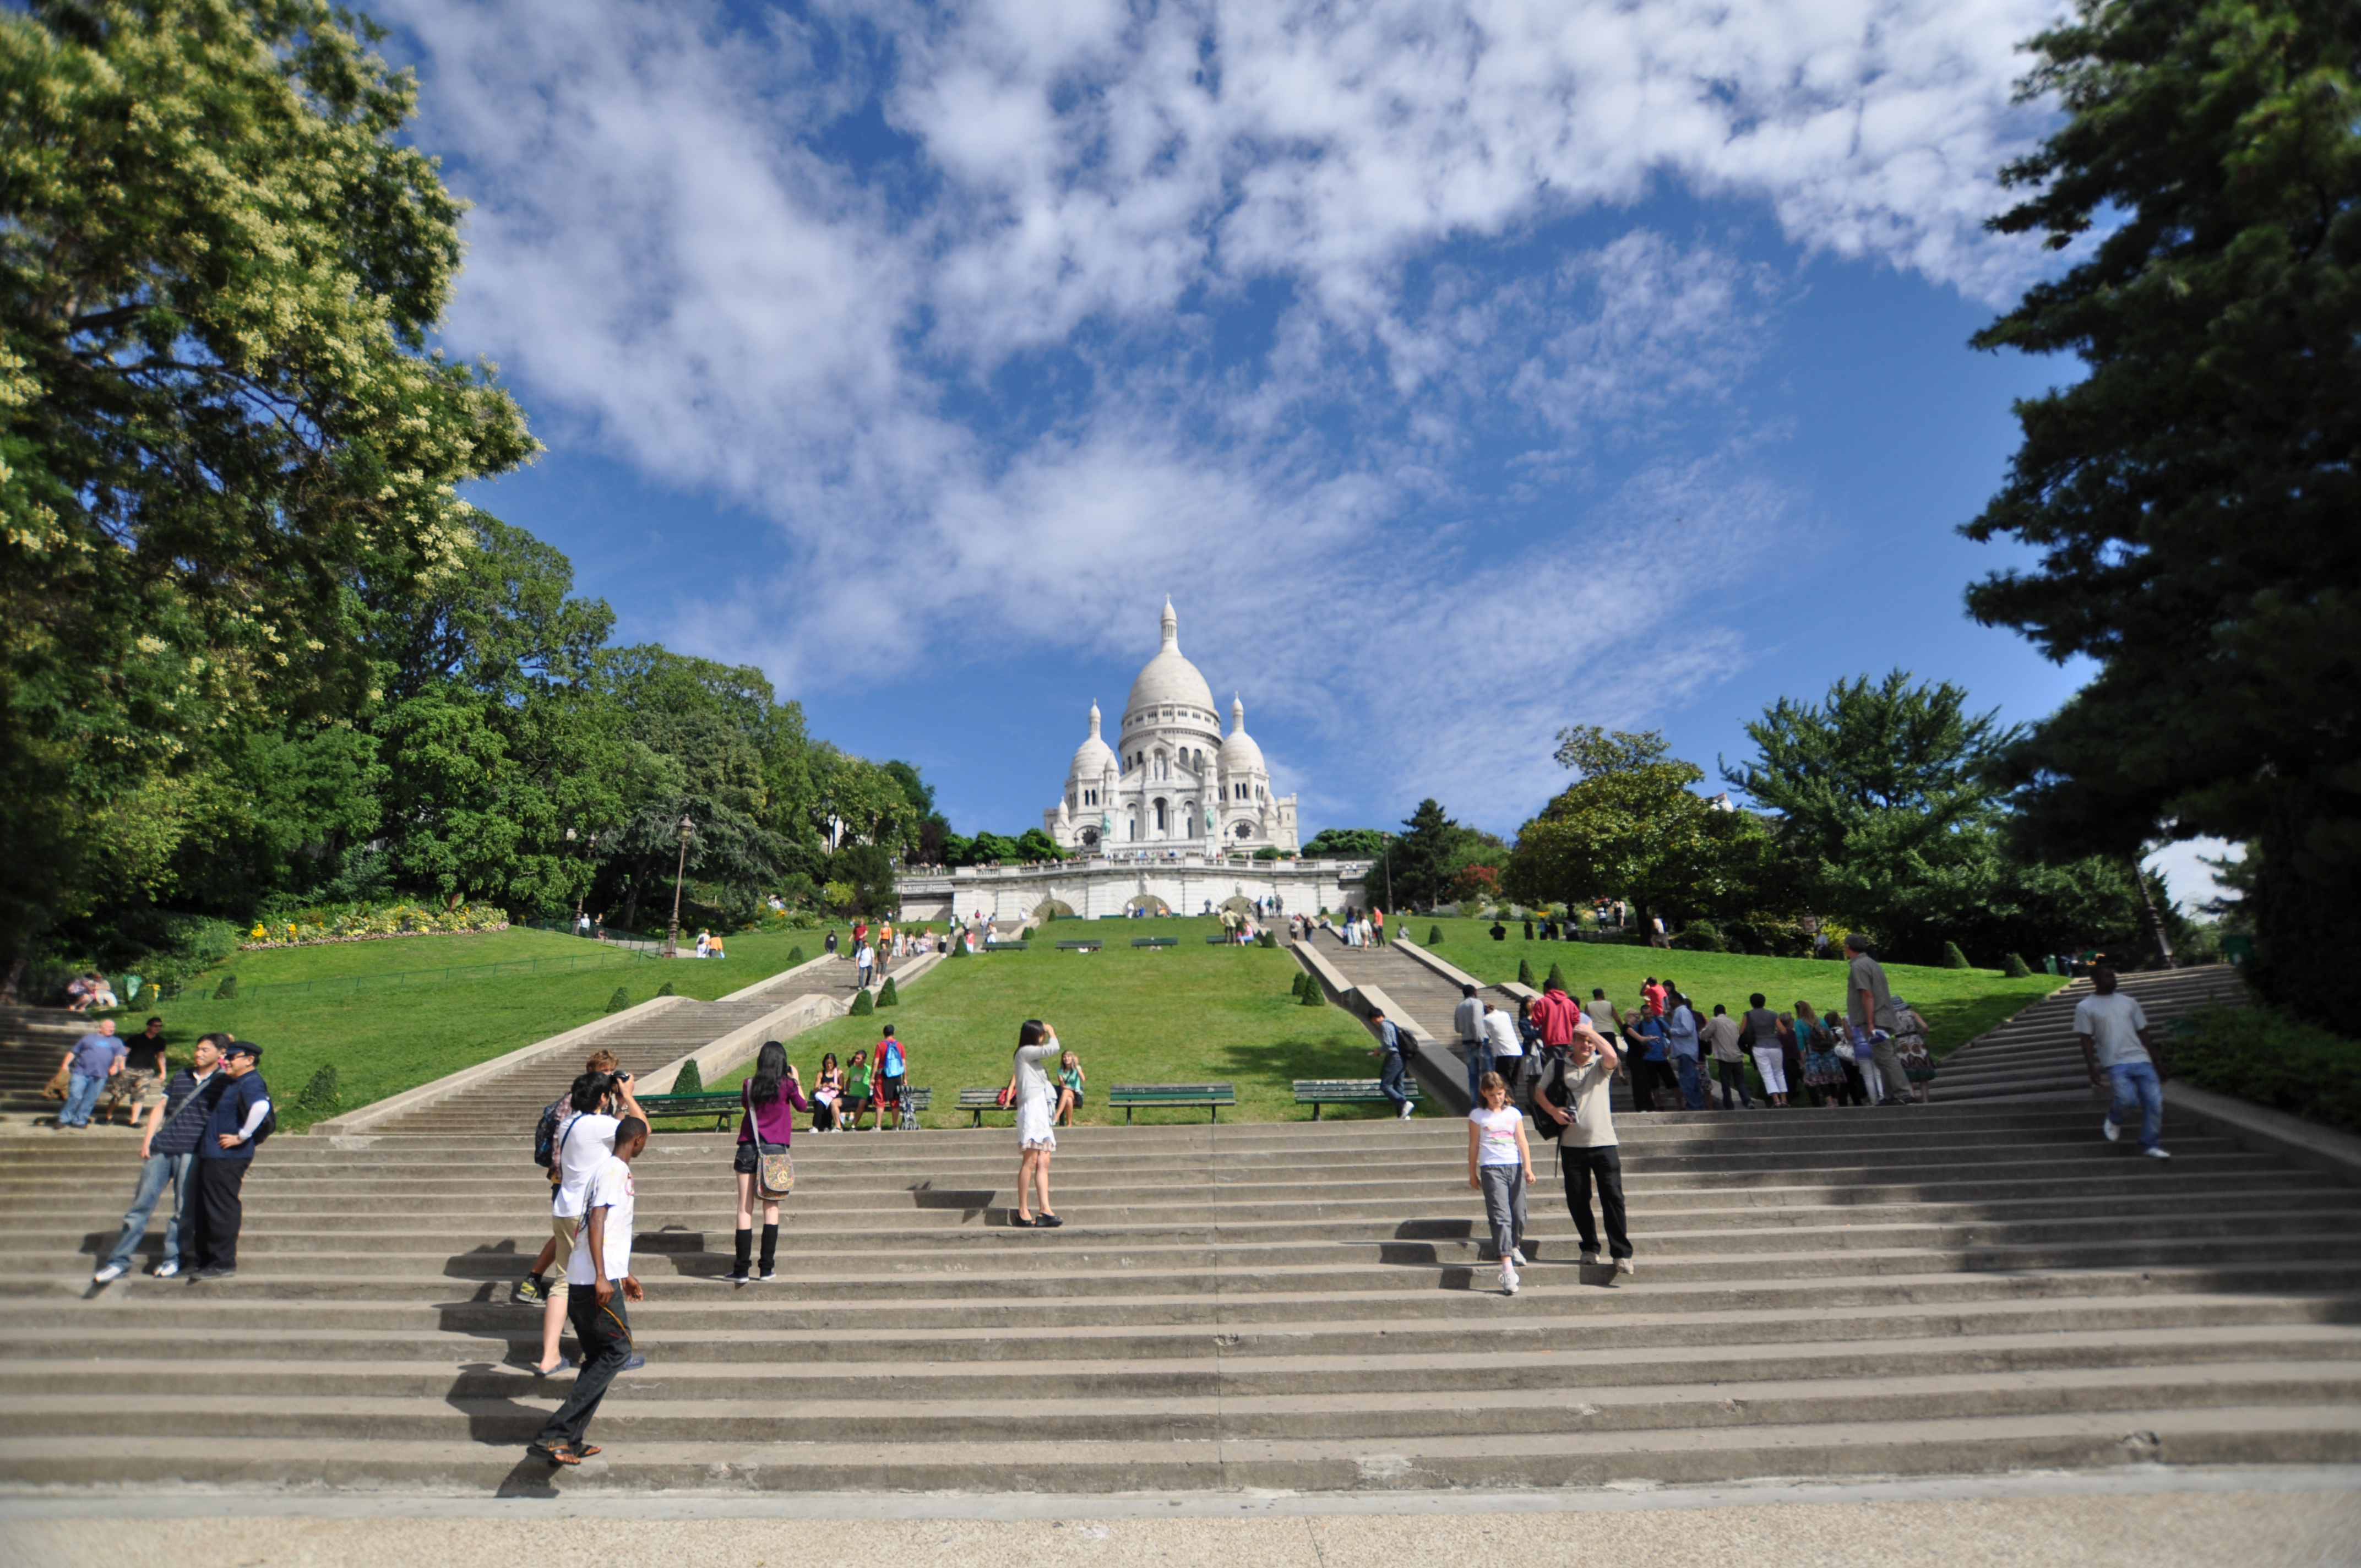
(154, 1171)
(2137, 1084)
(81, 1095)
(1480, 1062)
(1692, 1082)
(1390, 1080)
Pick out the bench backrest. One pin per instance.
(988, 1099)
(1144, 1092)
(1155, 941)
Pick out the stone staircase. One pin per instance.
(2035, 1055)
(1935, 1291)
(33, 1040)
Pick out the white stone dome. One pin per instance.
(1239, 753)
(1094, 756)
(1169, 680)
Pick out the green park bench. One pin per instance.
(982, 1099)
(1091, 946)
(721, 1106)
(1317, 1091)
(1006, 946)
(1148, 1096)
(1155, 941)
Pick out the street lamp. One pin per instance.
(672, 936)
(592, 853)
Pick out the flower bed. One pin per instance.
(312, 927)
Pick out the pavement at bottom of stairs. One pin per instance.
(2134, 1517)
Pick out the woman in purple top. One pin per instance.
(771, 1098)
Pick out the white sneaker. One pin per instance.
(166, 1270)
(1405, 1110)
(1623, 1266)
(2109, 1127)
(1509, 1278)
(1517, 1256)
(108, 1272)
(1590, 1260)
(2156, 1153)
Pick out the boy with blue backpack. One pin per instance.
(893, 1066)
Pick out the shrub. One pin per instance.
(2262, 1056)
(1295, 986)
(621, 999)
(795, 956)
(1267, 938)
(666, 990)
(319, 1096)
(691, 1080)
(1434, 935)
(2016, 968)
(864, 1005)
(959, 946)
(1700, 936)
(225, 990)
(1312, 996)
(1557, 977)
(886, 995)
(1954, 958)
(1525, 972)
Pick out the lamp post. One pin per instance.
(592, 853)
(672, 936)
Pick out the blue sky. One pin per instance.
(1462, 371)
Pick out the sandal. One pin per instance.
(554, 1455)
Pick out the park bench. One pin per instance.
(982, 1099)
(1091, 946)
(1148, 1096)
(1317, 1091)
(1005, 947)
(722, 1106)
(1155, 941)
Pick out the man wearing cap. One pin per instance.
(224, 1153)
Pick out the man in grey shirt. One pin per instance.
(2116, 1040)
(1869, 1008)
(1467, 1022)
(1571, 1103)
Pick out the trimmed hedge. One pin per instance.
(621, 999)
(864, 1005)
(690, 1081)
(1312, 996)
(887, 996)
(1525, 973)
(1954, 958)
(2262, 1056)
(2015, 968)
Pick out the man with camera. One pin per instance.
(1572, 1104)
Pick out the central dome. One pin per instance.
(1169, 680)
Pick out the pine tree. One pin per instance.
(864, 1005)
(1525, 972)
(621, 999)
(1295, 986)
(1557, 979)
(319, 1096)
(886, 995)
(690, 1080)
(1312, 996)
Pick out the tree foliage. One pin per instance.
(2192, 496)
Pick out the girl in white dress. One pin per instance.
(1036, 1102)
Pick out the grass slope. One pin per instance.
(1959, 1005)
(1191, 1013)
(385, 1033)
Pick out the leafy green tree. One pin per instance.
(1889, 820)
(1346, 844)
(2192, 495)
(1035, 844)
(219, 270)
(1419, 861)
(1632, 828)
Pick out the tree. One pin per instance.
(1889, 819)
(1419, 860)
(2192, 495)
(1630, 828)
(219, 269)
(1346, 844)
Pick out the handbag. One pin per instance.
(774, 1174)
(60, 1083)
(1006, 1097)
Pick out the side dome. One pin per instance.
(1169, 680)
(1239, 753)
(1094, 756)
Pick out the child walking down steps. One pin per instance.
(1500, 1166)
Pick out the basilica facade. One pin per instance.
(1171, 779)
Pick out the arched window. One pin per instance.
(1160, 816)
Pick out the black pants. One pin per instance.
(220, 1210)
(1606, 1164)
(1733, 1082)
(605, 1336)
(1645, 1075)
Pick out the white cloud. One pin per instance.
(674, 274)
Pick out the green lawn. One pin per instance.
(385, 1034)
(1959, 1005)
(1190, 1014)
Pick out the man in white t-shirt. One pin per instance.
(2116, 1040)
(600, 1276)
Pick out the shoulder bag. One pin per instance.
(774, 1174)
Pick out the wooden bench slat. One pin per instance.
(1317, 1091)
(1212, 1096)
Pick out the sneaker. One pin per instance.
(1509, 1278)
(1404, 1115)
(1517, 1256)
(166, 1270)
(525, 1293)
(2109, 1127)
(766, 1277)
(633, 1364)
(108, 1271)
(2156, 1153)
(212, 1274)
(1589, 1258)
(1623, 1266)
(737, 1275)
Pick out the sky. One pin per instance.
(1463, 371)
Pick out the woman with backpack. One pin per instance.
(770, 1100)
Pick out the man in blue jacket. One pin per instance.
(223, 1155)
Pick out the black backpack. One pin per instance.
(545, 1132)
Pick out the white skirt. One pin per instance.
(1033, 1125)
(1772, 1063)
